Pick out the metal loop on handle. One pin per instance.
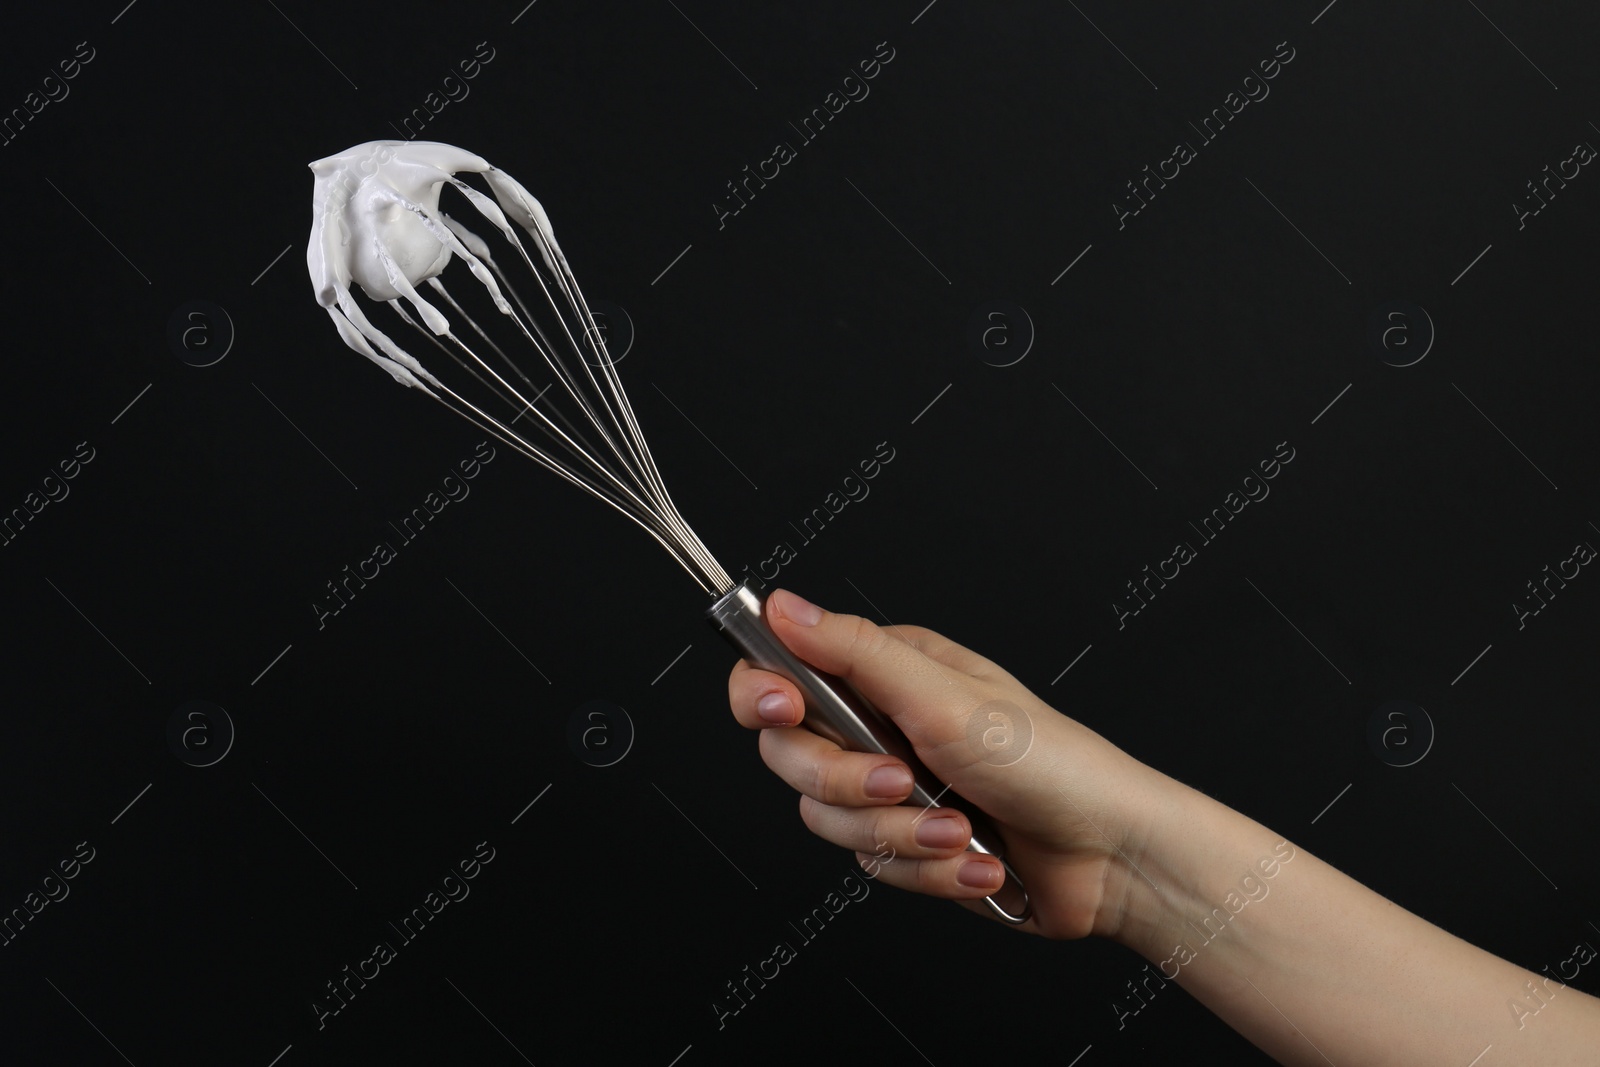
(1027, 902)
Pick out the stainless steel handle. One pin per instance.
(836, 711)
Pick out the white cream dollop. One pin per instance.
(375, 222)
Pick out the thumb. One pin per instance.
(924, 698)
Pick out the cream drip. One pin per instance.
(376, 223)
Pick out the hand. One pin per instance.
(1069, 805)
(1108, 846)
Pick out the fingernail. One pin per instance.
(776, 709)
(941, 831)
(886, 782)
(796, 609)
(980, 874)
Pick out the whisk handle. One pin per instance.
(836, 711)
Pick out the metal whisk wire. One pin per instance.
(377, 224)
(621, 471)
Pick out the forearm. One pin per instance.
(1312, 966)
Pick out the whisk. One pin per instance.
(376, 223)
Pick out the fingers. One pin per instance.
(897, 675)
(945, 652)
(853, 799)
(965, 876)
(839, 804)
(823, 771)
(923, 850)
(922, 680)
(849, 646)
(761, 699)
(909, 832)
(920, 850)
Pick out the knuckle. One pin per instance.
(867, 640)
(920, 636)
(880, 833)
(932, 879)
(823, 777)
(771, 744)
(744, 687)
(808, 813)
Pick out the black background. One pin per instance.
(379, 750)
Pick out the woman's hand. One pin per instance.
(1069, 805)
(1307, 963)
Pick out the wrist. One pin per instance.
(1185, 866)
(1144, 872)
